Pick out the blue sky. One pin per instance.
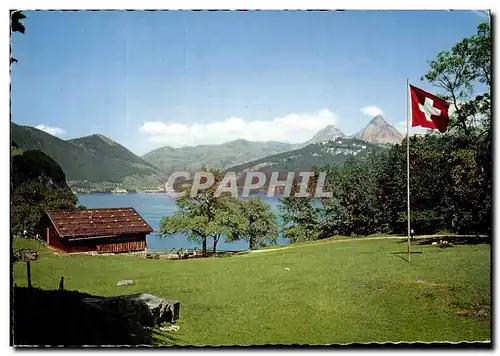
(150, 79)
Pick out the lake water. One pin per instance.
(153, 207)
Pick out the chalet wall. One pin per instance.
(129, 246)
(52, 238)
(125, 243)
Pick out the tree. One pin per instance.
(30, 200)
(300, 214)
(356, 191)
(254, 222)
(16, 26)
(203, 216)
(457, 72)
(464, 73)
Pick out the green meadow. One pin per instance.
(334, 291)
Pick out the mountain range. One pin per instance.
(91, 159)
(241, 151)
(221, 156)
(97, 163)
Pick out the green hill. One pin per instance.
(316, 154)
(90, 161)
(303, 159)
(214, 156)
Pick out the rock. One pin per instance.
(161, 309)
(126, 282)
(122, 306)
(434, 243)
(145, 309)
(170, 328)
(482, 313)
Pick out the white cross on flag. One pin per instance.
(427, 110)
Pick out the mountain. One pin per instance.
(220, 156)
(329, 133)
(303, 159)
(91, 159)
(99, 144)
(379, 131)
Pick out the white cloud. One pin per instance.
(55, 131)
(371, 111)
(292, 128)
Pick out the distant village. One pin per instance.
(113, 189)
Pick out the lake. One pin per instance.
(153, 207)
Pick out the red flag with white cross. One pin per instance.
(427, 110)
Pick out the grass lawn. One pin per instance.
(361, 290)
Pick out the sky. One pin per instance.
(181, 78)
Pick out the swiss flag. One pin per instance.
(427, 110)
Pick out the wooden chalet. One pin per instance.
(107, 230)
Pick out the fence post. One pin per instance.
(28, 267)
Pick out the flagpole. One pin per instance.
(408, 159)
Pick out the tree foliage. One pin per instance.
(300, 215)
(209, 216)
(16, 26)
(256, 223)
(464, 73)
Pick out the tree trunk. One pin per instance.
(204, 245)
(216, 239)
(252, 243)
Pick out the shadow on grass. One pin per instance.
(221, 254)
(456, 240)
(401, 254)
(53, 318)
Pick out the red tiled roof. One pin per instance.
(98, 222)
